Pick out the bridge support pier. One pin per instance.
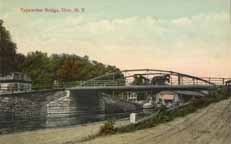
(180, 80)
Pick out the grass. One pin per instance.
(107, 128)
(163, 116)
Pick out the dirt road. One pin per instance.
(211, 125)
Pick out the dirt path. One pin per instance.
(56, 135)
(211, 125)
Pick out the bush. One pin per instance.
(107, 128)
(165, 116)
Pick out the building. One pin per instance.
(15, 82)
(167, 98)
(174, 98)
(132, 96)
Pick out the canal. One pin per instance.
(24, 113)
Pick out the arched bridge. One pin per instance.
(145, 79)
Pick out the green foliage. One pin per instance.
(38, 66)
(221, 92)
(166, 116)
(44, 69)
(7, 51)
(107, 128)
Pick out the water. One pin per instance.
(71, 109)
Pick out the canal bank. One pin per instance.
(27, 110)
(208, 125)
(57, 108)
(66, 135)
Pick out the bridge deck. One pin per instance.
(144, 87)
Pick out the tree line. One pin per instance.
(42, 67)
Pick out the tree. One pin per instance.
(45, 69)
(70, 70)
(38, 66)
(7, 51)
(19, 61)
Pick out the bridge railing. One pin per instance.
(217, 80)
(94, 83)
(126, 82)
(104, 83)
(148, 77)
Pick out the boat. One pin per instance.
(148, 105)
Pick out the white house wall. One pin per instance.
(18, 86)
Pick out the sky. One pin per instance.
(192, 37)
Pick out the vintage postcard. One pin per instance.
(115, 72)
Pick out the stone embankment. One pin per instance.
(32, 101)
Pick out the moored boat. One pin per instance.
(148, 105)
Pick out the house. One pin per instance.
(172, 98)
(15, 82)
(167, 98)
(132, 97)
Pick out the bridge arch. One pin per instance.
(153, 77)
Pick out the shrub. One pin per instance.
(107, 128)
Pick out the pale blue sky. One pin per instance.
(189, 36)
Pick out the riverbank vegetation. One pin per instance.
(43, 68)
(164, 115)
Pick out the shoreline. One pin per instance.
(63, 127)
(76, 134)
(56, 135)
